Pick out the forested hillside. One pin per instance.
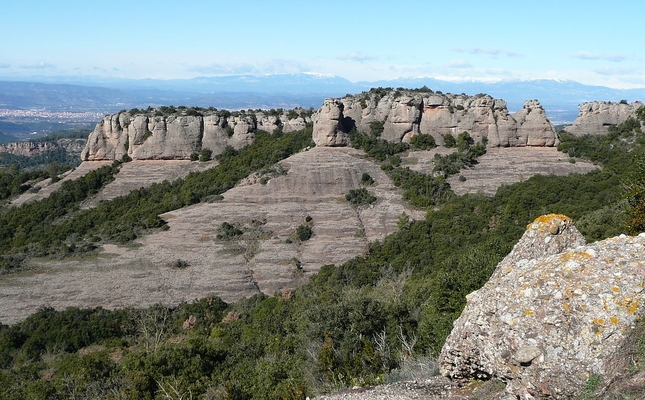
(377, 318)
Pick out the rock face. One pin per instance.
(30, 148)
(597, 116)
(151, 135)
(554, 313)
(404, 114)
(329, 129)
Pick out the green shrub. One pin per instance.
(228, 231)
(304, 233)
(636, 197)
(376, 148)
(464, 141)
(180, 264)
(376, 128)
(193, 112)
(366, 179)
(205, 154)
(423, 142)
(449, 141)
(360, 197)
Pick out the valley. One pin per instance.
(266, 257)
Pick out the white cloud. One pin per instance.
(585, 55)
(355, 56)
(39, 65)
(460, 64)
(5, 65)
(611, 71)
(489, 51)
(274, 66)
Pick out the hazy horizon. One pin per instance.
(359, 41)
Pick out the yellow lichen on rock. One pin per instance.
(546, 221)
(575, 256)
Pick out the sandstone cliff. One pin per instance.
(158, 134)
(597, 116)
(405, 113)
(30, 148)
(555, 313)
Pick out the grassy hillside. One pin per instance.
(373, 319)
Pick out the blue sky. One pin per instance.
(593, 42)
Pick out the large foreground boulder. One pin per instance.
(555, 313)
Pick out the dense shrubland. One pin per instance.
(363, 322)
(63, 159)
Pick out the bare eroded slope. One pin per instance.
(267, 257)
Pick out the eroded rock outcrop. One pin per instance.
(329, 129)
(30, 148)
(153, 135)
(555, 313)
(406, 113)
(597, 117)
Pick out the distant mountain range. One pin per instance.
(559, 98)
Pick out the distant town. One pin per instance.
(59, 116)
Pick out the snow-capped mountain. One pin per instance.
(559, 98)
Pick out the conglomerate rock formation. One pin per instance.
(29, 148)
(153, 135)
(406, 113)
(597, 117)
(554, 314)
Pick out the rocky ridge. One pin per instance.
(597, 117)
(30, 148)
(157, 134)
(405, 113)
(175, 135)
(555, 313)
